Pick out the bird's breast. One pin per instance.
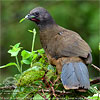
(48, 39)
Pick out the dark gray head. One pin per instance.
(40, 16)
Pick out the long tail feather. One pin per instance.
(75, 75)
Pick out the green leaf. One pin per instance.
(25, 54)
(21, 20)
(41, 51)
(9, 64)
(38, 82)
(15, 50)
(30, 31)
(95, 96)
(50, 67)
(21, 93)
(16, 45)
(17, 76)
(39, 64)
(49, 75)
(27, 62)
(34, 56)
(38, 97)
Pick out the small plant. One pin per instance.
(14, 53)
(27, 56)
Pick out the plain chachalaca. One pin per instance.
(64, 48)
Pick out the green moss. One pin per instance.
(29, 76)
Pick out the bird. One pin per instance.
(64, 48)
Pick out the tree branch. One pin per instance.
(97, 68)
(95, 81)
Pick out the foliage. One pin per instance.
(14, 52)
(27, 56)
(40, 80)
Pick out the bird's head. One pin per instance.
(40, 16)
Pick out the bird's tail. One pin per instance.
(75, 75)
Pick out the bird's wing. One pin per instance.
(69, 43)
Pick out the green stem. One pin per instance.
(21, 67)
(18, 67)
(33, 42)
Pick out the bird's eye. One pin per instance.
(36, 13)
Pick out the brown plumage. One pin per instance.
(64, 48)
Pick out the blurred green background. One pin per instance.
(80, 16)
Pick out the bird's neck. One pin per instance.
(46, 24)
(46, 33)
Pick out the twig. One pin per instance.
(52, 88)
(44, 58)
(44, 94)
(7, 88)
(96, 67)
(52, 83)
(95, 81)
(56, 91)
(56, 80)
(43, 91)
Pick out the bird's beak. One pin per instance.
(29, 16)
(26, 17)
